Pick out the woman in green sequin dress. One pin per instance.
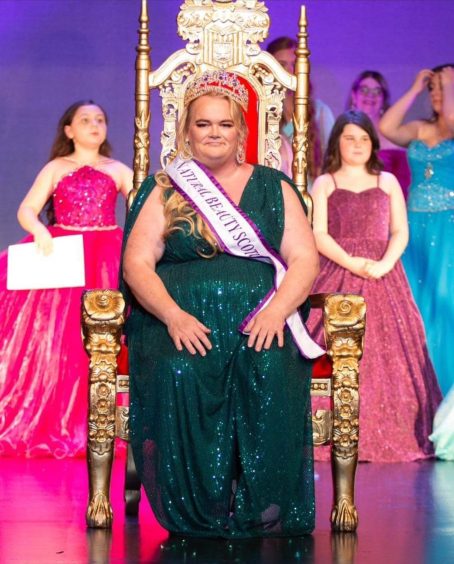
(220, 421)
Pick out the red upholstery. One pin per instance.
(122, 360)
(322, 367)
(252, 120)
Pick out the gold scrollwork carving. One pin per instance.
(142, 143)
(240, 23)
(321, 387)
(300, 144)
(272, 95)
(102, 322)
(344, 325)
(122, 422)
(171, 92)
(344, 320)
(322, 423)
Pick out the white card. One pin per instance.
(63, 268)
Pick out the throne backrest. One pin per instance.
(224, 35)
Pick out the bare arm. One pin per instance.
(447, 84)
(326, 245)
(391, 124)
(299, 252)
(144, 249)
(33, 203)
(126, 175)
(398, 239)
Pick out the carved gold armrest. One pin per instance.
(102, 323)
(344, 322)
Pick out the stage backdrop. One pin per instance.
(54, 52)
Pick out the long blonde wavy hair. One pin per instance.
(177, 211)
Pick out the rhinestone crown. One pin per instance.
(222, 82)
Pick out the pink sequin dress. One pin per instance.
(399, 390)
(43, 366)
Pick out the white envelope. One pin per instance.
(63, 268)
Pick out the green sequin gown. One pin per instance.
(222, 443)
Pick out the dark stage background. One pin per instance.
(53, 52)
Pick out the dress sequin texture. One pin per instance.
(43, 365)
(429, 258)
(399, 391)
(235, 414)
(85, 198)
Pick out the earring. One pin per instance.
(187, 152)
(240, 154)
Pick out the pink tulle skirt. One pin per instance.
(43, 365)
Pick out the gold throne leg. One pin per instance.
(344, 327)
(102, 322)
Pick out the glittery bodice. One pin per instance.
(432, 169)
(359, 215)
(85, 198)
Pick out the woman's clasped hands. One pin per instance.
(368, 268)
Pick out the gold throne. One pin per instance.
(224, 34)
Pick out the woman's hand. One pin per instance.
(358, 266)
(188, 332)
(266, 325)
(43, 241)
(378, 268)
(422, 80)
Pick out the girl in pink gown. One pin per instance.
(43, 366)
(361, 231)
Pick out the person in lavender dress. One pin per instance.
(429, 259)
(370, 94)
(360, 227)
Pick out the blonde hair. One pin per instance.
(177, 211)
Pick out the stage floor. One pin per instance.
(406, 517)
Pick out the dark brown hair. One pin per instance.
(437, 69)
(333, 160)
(63, 146)
(381, 81)
(281, 43)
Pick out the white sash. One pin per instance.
(236, 235)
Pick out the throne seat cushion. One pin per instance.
(322, 367)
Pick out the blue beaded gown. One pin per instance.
(200, 424)
(429, 258)
(429, 263)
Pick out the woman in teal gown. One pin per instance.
(220, 421)
(429, 258)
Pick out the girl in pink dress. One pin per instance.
(360, 226)
(43, 366)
